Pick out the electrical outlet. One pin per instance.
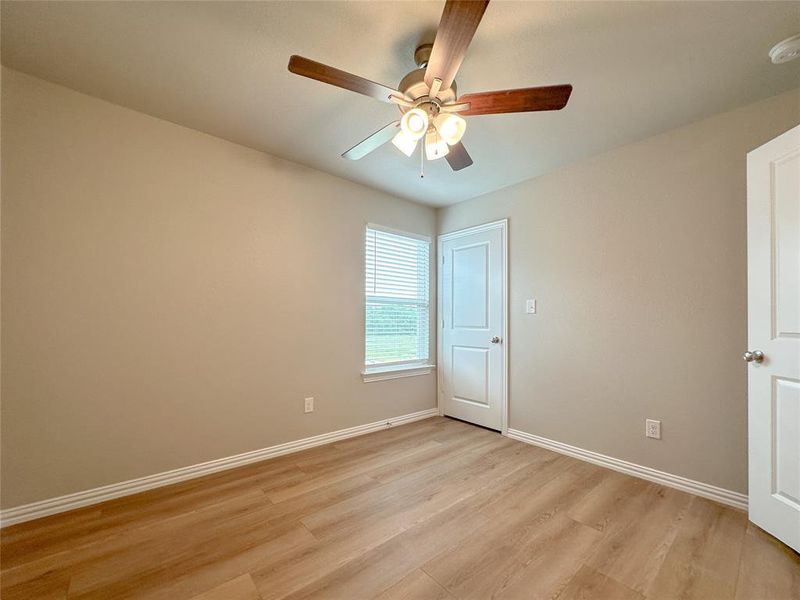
(530, 306)
(309, 406)
(652, 429)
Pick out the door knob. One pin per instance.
(495, 340)
(753, 356)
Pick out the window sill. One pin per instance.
(384, 373)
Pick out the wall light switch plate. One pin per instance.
(652, 429)
(530, 306)
(309, 405)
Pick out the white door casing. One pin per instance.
(473, 313)
(773, 269)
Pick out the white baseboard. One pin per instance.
(691, 486)
(52, 506)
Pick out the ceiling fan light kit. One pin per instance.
(427, 97)
(435, 146)
(451, 127)
(415, 123)
(405, 143)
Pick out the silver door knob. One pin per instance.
(753, 356)
(495, 340)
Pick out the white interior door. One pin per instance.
(473, 322)
(773, 247)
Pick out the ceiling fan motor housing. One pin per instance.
(414, 87)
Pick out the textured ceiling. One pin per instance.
(220, 67)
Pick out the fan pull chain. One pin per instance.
(422, 161)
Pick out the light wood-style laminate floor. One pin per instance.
(437, 509)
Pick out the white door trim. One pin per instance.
(502, 225)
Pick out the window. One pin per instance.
(397, 278)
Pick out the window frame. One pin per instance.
(405, 368)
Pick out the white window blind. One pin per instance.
(397, 298)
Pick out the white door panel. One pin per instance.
(470, 374)
(473, 312)
(470, 285)
(773, 246)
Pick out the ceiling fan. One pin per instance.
(427, 96)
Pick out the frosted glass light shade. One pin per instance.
(415, 123)
(404, 142)
(435, 146)
(450, 127)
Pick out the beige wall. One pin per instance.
(170, 298)
(637, 260)
(160, 286)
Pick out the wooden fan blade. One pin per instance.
(458, 157)
(460, 19)
(373, 142)
(314, 70)
(553, 97)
